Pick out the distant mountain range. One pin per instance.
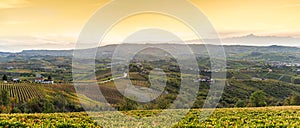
(245, 41)
(271, 52)
(196, 48)
(254, 40)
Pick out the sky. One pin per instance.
(56, 24)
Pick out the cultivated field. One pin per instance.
(233, 117)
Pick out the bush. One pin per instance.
(16, 110)
(5, 109)
(4, 95)
(128, 105)
(295, 100)
(240, 104)
(258, 99)
(48, 107)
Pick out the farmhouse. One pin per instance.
(39, 80)
(16, 80)
(47, 82)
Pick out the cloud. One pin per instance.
(292, 5)
(6, 4)
(19, 43)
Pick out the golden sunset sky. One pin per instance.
(56, 24)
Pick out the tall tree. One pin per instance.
(295, 100)
(4, 78)
(49, 78)
(258, 99)
(5, 100)
(240, 104)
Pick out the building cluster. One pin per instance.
(205, 80)
(283, 64)
(42, 80)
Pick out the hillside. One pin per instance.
(272, 53)
(271, 69)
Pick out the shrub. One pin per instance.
(258, 99)
(240, 104)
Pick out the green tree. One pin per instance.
(49, 78)
(295, 100)
(258, 99)
(16, 110)
(240, 104)
(163, 103)
(128, 104)
(33, 106)
(4, 78)
(60, 102)
(5, 100)
(48, 107)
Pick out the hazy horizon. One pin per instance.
(242, 38)
(56, 24)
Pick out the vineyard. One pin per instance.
(111, 94)
(22, 92)
(285, 117)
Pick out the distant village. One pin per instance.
(279, 64)
(39, 79)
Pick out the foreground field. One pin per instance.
(245, 117)
(60, 120)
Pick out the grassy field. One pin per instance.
(233, 117)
